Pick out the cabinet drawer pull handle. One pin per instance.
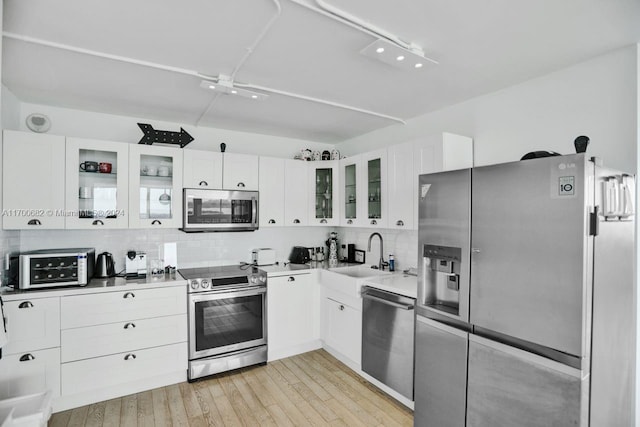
(203, 184)
(241, 184)
(130, 356)
(97, 222)
(350, 222)
(129, 294)
(373, 222)
(272, 221)
(130, 325)
(26, 304)
(291, 279)
(34, 222)
(27, 357)
(341, 307)
(156, 221)
(400, 223)
(296, 221)
(323, 221)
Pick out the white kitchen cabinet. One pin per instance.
(109, 338)
(324, 205)
(122, 306)
(121, 368)
(437, 153)
(202, 169)
(32, 324)
(240, 172)
(292, 314)
(155, 192)
(33, 172)
(352, 213)
(30, 372)
(296, 193)
(30, 360)
(373, 190)
(272, 192)
(343, 329)
(97, 198)
(401, 185)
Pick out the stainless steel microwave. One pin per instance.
(219, 210)
(48, 268)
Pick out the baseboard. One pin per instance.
(63, 403)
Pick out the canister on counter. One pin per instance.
(392, 263)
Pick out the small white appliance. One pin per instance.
(136, 264)
(263, 256)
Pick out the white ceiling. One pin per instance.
(480, 46)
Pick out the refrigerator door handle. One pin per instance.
(525, 355)
(442, 327)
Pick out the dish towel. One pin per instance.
(3, 327)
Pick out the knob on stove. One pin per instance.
(204, 284)
(194, 284)
(253, 280)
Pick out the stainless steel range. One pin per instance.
(227, 318)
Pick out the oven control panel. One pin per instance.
(255, 277)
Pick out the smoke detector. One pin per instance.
(38, 122)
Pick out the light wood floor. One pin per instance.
(308, 389)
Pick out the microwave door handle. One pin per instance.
(254, 211)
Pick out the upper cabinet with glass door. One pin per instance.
(352, 212)
(373, 189)
(96, 183)
(323, 203)
(155, 181)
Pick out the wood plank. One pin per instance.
(145, 409)
(78, 416)
(317, 388)
(129, 411)
(191, 405)
(161, 412)
(345, 415)
(237, 401)
(60, 419)
(261, 393)
(112, 413)
(210, 413)
(95, 414)
(279, 416)
(307, 410)
(259, 411)
(176, 406)
(228, 414)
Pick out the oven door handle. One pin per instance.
(246, 292)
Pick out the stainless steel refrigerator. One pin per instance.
(525, 312)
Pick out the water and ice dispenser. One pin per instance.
(441, 269)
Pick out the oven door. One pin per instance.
(227, 321)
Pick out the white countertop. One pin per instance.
(398, 283)
(96, 286)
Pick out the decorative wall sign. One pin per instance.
(152, 135)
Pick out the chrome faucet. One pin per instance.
(382, 263)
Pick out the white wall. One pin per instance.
(10, 109)
(87, 124)
(596, 98)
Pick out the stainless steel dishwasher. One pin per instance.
(388, 338)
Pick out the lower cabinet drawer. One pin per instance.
(111, 307)
(121, 368)
(30, 372)
(103, 340)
